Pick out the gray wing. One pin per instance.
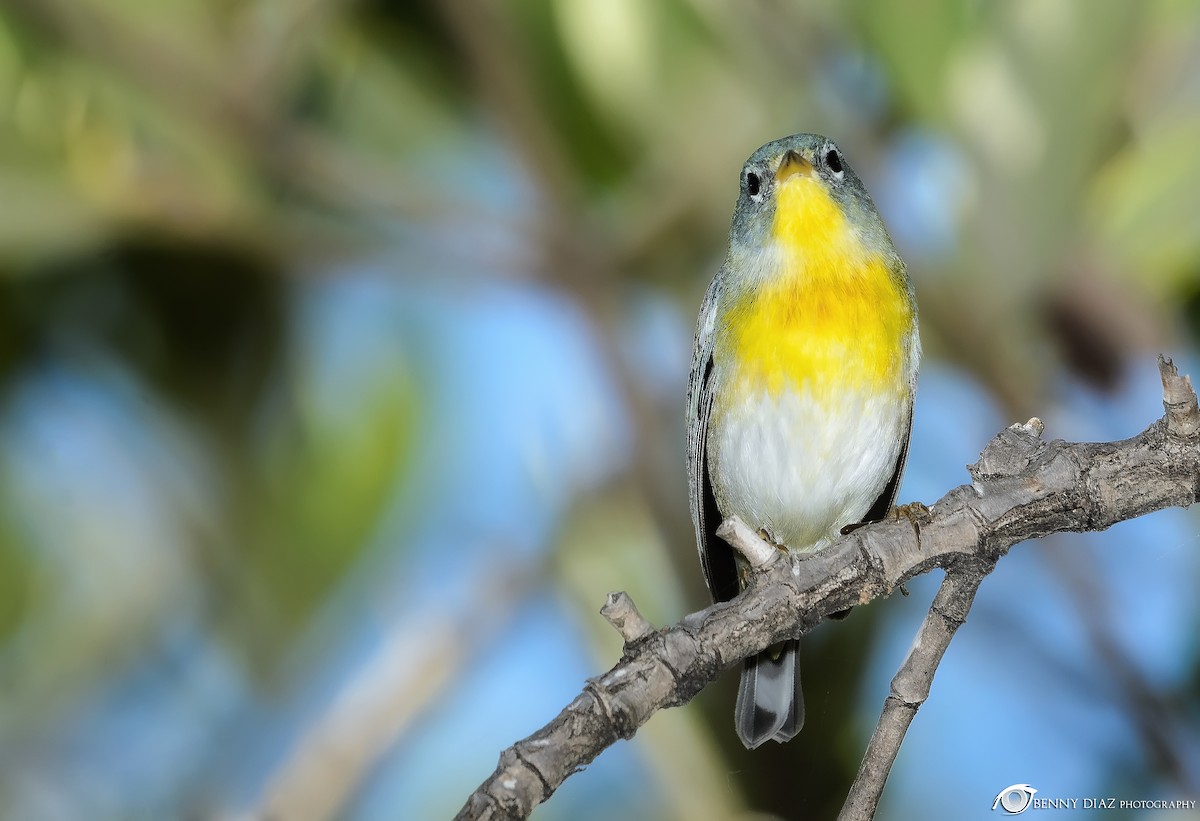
(883, 505)
(716, 557)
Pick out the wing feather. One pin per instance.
(716, 557)
(883, 505)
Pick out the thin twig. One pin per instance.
(738, 534)
(378, 704)
(623, 615)
(910, 688)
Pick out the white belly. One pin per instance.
(803, 470)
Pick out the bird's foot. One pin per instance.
(766, 536)
(915, 512)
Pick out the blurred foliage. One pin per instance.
(165, 168)
(17, 584)
(175, 176)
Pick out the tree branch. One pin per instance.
(910, 687)
(1022, 488)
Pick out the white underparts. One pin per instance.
(802, 468)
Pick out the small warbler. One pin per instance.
(801, 390)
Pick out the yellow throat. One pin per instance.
(833, 316)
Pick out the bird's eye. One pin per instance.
(833, 161)
(753, 184)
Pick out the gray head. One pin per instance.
(818, 158)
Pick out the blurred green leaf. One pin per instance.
(326, 485)
(1145, 203)
(18, 581)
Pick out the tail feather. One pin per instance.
(770, 704)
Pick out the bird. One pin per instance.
(800, 396)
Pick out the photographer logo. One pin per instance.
(1014, 800)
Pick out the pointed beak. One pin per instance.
(791, 164)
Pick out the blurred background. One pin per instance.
(343, 350)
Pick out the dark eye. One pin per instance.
(833, 160)
(753, 184)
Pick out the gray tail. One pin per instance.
(770, 704)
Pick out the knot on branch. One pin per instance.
(620, 611)
(1010, 452)
(744, 540)
(1179, 401)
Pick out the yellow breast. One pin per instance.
(832, 316)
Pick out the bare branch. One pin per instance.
(910, 688)
(377, 705)
(1022, 488)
